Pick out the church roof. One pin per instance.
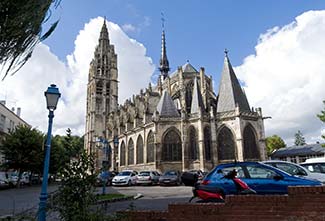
(230, 91)
(188, 68)
(166, 106)
(197, 101)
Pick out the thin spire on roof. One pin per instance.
(197, 101)
(166, 106)
(230, 92)
(164, 64)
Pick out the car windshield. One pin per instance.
(125, 173)
(145, 173)
(170, 173)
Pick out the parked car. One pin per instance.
(106, 177)
(148, 177)
(296, 170)
(126, 177)
(170, 177)
(189, 178)
(3, 180)
(262, 178)
(315, 165)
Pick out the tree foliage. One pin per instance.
(299, 139)
(321, 116)
(76, 193)
(21, 29)
(273, 143)
(22, 149)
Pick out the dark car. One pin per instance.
(170, 177)
(189, 178)
(105, 177)
(262, 178)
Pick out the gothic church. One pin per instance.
(178, 124)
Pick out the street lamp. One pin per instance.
(52, 96)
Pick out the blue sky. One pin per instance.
(198, 31)
(276, 48)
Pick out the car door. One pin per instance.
(228, 185)
(265, 180)
(133, 178)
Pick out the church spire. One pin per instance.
(103, 33)
(164, 64)
(231, 94)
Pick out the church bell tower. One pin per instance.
(102, 93)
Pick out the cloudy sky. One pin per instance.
(277, 51)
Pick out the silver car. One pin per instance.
(148, 177)
(296, 170)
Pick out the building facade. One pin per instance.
(178, 124)
(9, 119)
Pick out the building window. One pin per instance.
(226, 145)
(139, 150)
(207, 143)
(250, 147)
(122, 160)
(130, 152)
(172, 147)
(193, 145)
(99, 87)
(2, 122)
(150, 147)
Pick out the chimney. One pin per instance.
(13, 109)
(3, 102)
(18, 111)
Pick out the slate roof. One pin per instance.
(310, 149)
(230, 91)
(166, 106)
(188, 68)
(197, 101)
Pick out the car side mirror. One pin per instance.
(278, 177)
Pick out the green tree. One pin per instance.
(321, 116)
(77, 192)
(22, 149)
(273, 143)
(299, 139)
(21, 29)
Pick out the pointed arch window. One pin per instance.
(150, 147)
(188, 95)
(207, 143)
(193, 145)
(122, 154)
(251, 151)
(99, 87)
(226, 145)
(172, 146)
(130, 152)
(139, 150)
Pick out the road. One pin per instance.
(13, 201)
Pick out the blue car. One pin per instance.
(262, 178)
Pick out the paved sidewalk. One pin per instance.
(13, 201)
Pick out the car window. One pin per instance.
(291, 169)
(322, 165)
(258, 172)
(171, 173)
(312, 168)
(146, 173)
(125, 173)
(240, 172)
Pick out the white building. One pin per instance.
(8, 121)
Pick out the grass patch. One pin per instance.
(111, 196)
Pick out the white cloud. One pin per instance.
(286, 77)
(129, 28)
(28, 85)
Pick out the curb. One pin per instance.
(115, 200)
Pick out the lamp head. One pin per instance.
(52, 97)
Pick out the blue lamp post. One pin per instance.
(52, 96)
